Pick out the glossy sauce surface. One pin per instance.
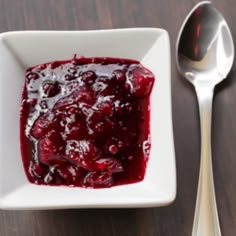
(85, 122)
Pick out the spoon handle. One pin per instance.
(206, 222)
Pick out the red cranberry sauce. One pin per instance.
(85, 122)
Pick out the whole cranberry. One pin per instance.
(141, 81)
(105, 108)
(113, 149)
(51, 89)
(88, 77)
(119, 75)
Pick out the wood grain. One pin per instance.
(174, 220)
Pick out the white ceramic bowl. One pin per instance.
(23, 49)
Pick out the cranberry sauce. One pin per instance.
(85, 122)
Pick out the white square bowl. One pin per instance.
(23, 49)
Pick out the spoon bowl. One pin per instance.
(205, 49)
(204, 56)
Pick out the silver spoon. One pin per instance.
(205, 54)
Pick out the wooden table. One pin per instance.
(174, 220)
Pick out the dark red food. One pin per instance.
(85, 122)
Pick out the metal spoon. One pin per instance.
(205, 54)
